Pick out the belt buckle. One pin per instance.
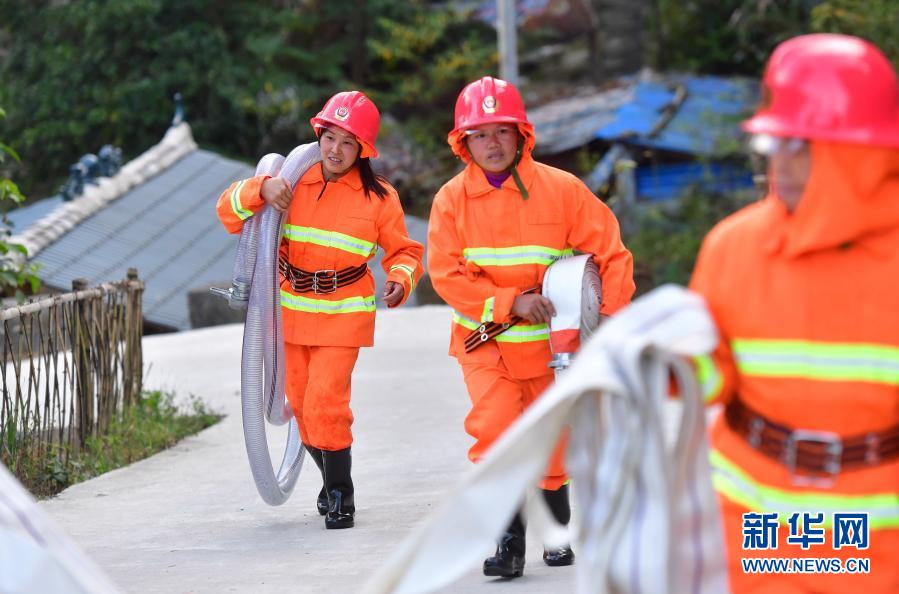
(833, 449)
(324, 276)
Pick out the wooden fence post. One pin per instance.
(134, 365)
(81, 360)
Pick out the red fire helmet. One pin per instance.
(488, 101)
(829, 87)
(355, 113)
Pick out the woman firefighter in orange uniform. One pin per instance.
(337, 216)
(804, 287)
(494, 229)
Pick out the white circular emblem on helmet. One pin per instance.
(489, 104)
(342, 114)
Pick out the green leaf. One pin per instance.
(10, 190)
(5, 148)
(11, 435)
(9, 278)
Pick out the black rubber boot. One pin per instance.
(561, 509)
(508, 561)
(321, 504)
(339, 486)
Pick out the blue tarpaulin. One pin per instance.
(706, 124)
(664, 182)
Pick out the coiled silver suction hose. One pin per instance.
(256, 288)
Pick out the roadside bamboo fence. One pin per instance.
(70, 363)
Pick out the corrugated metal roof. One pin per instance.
(24, 216)
(165, 227)
(707, 123)
(569, 123)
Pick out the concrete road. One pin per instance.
(189, 520)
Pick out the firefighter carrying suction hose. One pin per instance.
(256, 288)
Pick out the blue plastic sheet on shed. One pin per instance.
(664, 182)
(706, 124)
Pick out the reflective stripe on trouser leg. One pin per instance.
(296, 376)
(326, 404)
(497, 400)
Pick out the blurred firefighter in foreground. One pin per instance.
(804, 287)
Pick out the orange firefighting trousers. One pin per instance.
(317, 383)
(497, 400)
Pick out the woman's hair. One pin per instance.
(371, 182)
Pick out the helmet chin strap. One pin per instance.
(514, 171)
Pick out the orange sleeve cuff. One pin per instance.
(502, 303)
(402, 278)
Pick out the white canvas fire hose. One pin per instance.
(256, 288)
(575, 290)
(35, 554)
(648, 520)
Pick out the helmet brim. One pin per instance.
(321, 122)
(879, 134)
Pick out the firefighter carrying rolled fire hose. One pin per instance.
(494, 229)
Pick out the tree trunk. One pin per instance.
(618, 44)
(359, 31)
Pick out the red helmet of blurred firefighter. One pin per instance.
(355, 113)
(489, 101)
(829, 87)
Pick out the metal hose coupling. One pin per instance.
(237, 296)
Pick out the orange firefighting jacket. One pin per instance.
(808, 310)
(486, 245)
(332, 226)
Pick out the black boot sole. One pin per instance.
(516, 571)
(340, 524)
(503, 573)
(559, 562)
(559, 558)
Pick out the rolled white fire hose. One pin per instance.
(574, 287)
(256, 288)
